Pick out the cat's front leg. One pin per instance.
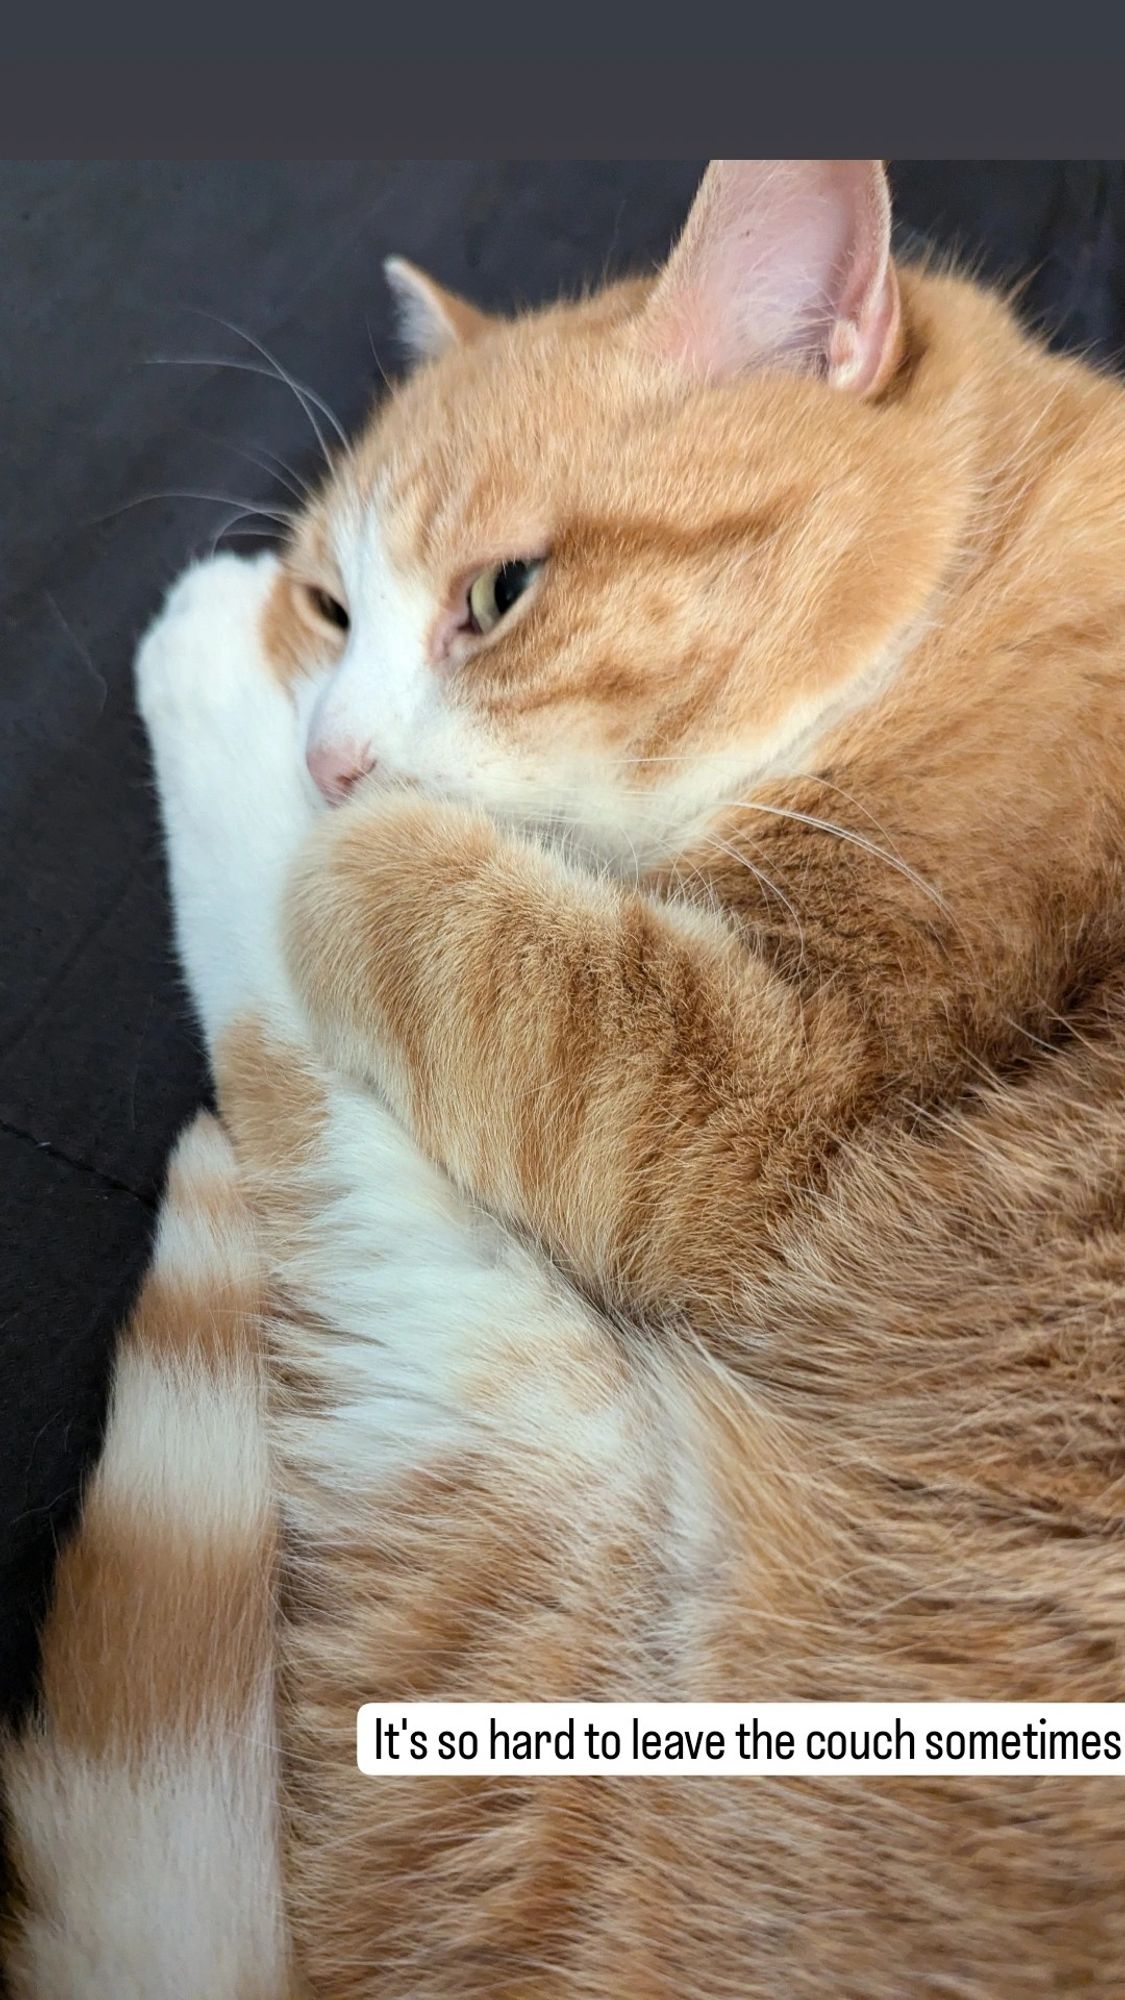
(234, 797)
(618, 1076)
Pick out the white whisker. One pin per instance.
(759, 874)
(283, 515)
(232, 521)
(246, 368)
(300, 389)
(267, 462)
(854, 839)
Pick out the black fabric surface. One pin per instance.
(107, 267)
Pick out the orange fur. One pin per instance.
(846, 1099)
(975, 520)
(794, 1103)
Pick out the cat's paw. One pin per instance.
(202, 657)
(234, 794)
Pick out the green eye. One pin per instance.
(496, 589)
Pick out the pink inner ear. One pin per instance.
(783, 262)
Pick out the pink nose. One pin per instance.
(336, 767)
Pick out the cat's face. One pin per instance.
(584, 572)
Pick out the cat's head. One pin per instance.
(607, 564)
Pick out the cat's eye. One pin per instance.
(493, 593)
(326, 607)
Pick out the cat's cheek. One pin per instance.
(290, 649)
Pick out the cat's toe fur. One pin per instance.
(235, 799)
(205, 641)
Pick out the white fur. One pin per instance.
(203, 1157)
(450, 1328)
(164, 1882)
(383, 696)
(190, 1243)
(446, 1332)
(185, 1448)
(234, 795)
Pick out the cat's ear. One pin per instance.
(430, 319)
(784, 263)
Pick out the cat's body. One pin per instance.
(692, 1254)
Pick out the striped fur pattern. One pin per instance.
(672, 1189)
(144, 1803)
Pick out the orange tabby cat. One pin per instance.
(676, 1168)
